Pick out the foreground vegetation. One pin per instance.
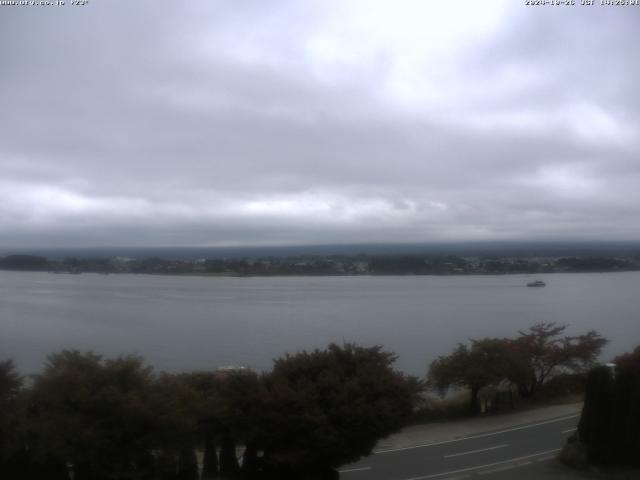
(116, 419)
(314, 411)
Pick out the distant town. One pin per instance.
(355, 264)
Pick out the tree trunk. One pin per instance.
(474, 406)
(188, 465)
(534, 387)
(167, 466)
(250, 460)
(210, 460)
(82, 471)
(527, 388)
(228, 459)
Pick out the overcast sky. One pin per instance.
(305, 122)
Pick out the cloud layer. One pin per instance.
(247, 123)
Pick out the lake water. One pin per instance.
(187, 323)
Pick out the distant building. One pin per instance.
(234, 370)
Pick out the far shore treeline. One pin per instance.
(332, 264)
(115, 418)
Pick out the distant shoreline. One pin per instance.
(328, 265)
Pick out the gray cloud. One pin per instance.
(217, 123)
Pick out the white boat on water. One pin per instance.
(537, 283)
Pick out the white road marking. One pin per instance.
(482, 435)
(544, 459)
(569, 430)
(478, 467)
(476, 451)
(361, 469)
(496, 470)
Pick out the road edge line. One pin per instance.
(480, 435)
(478, 467)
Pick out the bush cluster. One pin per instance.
(106, 419)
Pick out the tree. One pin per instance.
(527, 361)
(241, 401)
(329, 407)
(205, 387)
(10, 385)
(177, 408)
(594, 428)
(542, 351)
(484, 363)
(94, 414)
(610, 420)
(626, 414)
(231, 402)
(10, 381)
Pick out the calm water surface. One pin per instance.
(185, 323)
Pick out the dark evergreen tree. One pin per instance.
(625, 429)
(609, 427)
(329, 407)
(594, 428)
(96, 415)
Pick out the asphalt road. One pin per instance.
(489, 455)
